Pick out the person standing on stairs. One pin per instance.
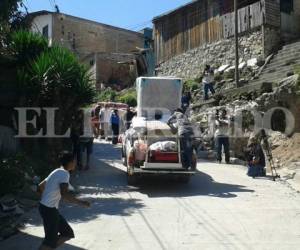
(207, 80)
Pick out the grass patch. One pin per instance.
(191, 85)
(128, 96)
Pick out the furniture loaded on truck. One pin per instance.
(150, 146)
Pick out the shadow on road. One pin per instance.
(101, 206)
(155, 186)
(200, 184)
(29, 242)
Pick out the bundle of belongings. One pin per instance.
(164, 146)
(165, 152)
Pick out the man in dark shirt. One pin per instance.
(186, 134)
(128, 117)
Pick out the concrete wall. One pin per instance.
(116, 70)
(86, 37)
(39, 22)
(271, 40)
(290, 22)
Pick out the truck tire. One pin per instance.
(131, 180)
(124, 159)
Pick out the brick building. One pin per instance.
(84, 36)
(111, 53)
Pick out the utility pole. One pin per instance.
(236, 36)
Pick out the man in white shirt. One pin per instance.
(53, 188)
(222, 135)
(207, 80)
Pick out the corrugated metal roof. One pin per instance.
(174, 10)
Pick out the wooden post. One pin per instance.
(236, 36)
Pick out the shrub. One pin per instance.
(107, 95)
(129, 99)
(191, 85)
(26, 46)
(12, 177)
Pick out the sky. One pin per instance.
(129, 14)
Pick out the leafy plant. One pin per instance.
(191, 85)
(12, 176)
(129, 99)
(27, 46)
(107, 95)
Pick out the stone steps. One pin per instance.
(281, 64)
(289, 52)
(291, 45)
(278, 69)
(286, 57)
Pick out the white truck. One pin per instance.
(150, 146)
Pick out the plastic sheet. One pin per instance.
(158, 97)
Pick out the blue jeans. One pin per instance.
(208, 87)
(223, 141)
(186, 145)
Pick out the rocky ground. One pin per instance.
(241, 106)
(287, 156)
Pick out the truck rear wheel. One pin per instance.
(131, 179)
(124, 159)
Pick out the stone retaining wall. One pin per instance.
(190, 65)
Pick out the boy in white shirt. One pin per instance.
(53, 188)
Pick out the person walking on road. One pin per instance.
(128, 117)
(76, 131)
(221, 135)
(115, 126)
(207, 80)
(52, 189)
(185, 132)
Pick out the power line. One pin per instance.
(52, 5)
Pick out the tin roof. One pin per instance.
(174, 10)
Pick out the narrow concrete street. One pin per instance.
(221, 208)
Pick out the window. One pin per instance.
(46, 31)
(287, 6)
(74, 41)
(62, 29)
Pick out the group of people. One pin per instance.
(107, 120)
(105, 117)
(254, 153)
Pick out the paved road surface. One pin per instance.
(220, 209)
